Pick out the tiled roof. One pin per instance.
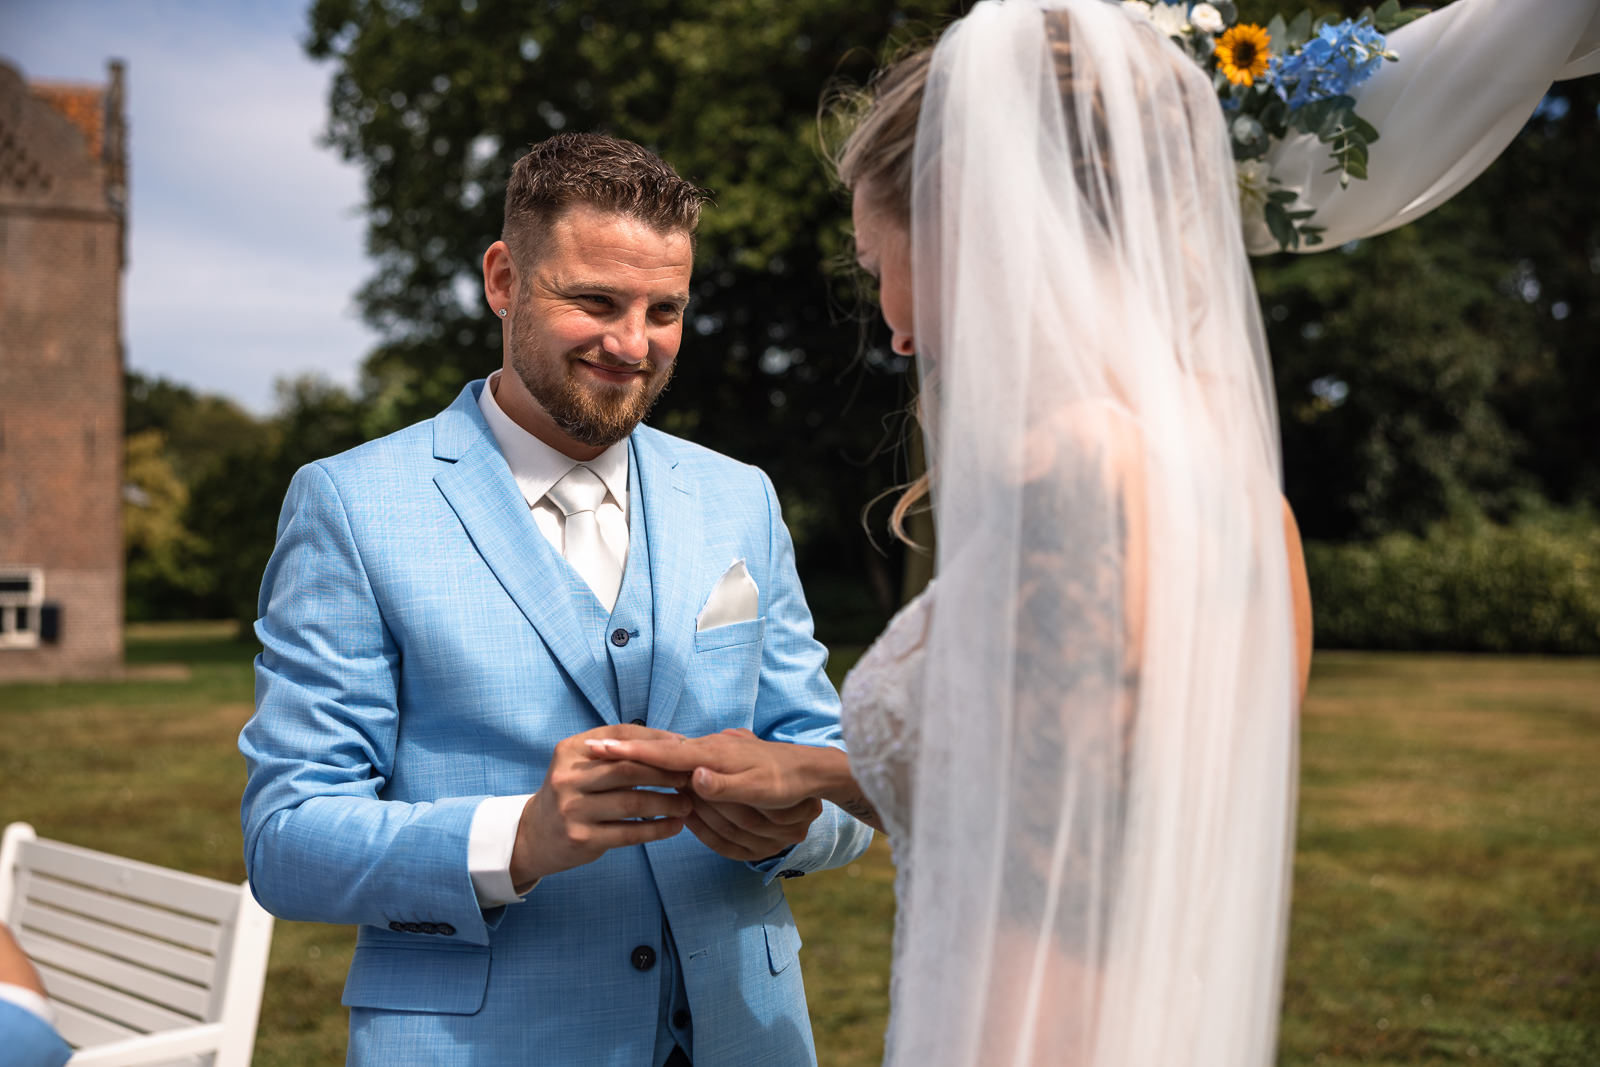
(83, 105)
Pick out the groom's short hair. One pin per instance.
(604, 172)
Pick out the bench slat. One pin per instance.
(198, 934)
(176, 890)
(149, 1046)
(85, 994)
(182, 997)
(136, 948)
(80, 1028)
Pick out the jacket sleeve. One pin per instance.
(797, 703)
(319, 842)
(30, 1041)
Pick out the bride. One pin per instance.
(1081, 738)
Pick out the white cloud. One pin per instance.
(245, 237)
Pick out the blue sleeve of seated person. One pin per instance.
(28, 1040)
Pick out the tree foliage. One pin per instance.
(163, 578)
(1443, 370)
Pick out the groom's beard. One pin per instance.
(597, 414)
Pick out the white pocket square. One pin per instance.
(735, 599)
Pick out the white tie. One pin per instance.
(577, 494)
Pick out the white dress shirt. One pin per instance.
(536, 467)
(28, 1000)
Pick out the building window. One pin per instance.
(21, 598)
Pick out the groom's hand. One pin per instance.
(588, 806)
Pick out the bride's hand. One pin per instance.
(734, 766)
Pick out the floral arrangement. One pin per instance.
(1286, 77)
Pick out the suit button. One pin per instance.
(398, 927)
(790, 874)
(429, 928)
(637, 722)
(619, 637)
(643, 958)
(680, 1018)
(413, 928)
(446, 929)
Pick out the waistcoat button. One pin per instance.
(644, 957)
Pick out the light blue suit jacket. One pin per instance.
(422, 651)
(28, 1041)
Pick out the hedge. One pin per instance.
(1466, 587)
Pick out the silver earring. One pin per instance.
(502, 313)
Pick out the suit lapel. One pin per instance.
(479, 487)
(672, 514)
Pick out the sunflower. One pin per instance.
(1243, 53)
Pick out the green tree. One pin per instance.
(233, 509)
(164, 579)
(175, 439)
(195, 427)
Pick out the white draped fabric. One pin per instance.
(1468, 77)
(1097, 866)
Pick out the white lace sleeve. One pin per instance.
(881, 695)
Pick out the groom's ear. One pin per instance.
(499, 276)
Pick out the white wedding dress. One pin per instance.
(881, 694)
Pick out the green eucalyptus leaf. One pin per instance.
(1397, 18)
(1274, 114)
(1277, 29)
(1229, 13)
(1281, 227)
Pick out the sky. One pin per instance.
(245, 236)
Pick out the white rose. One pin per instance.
(1170, 19)
(1136, 7)
(1206, 19)
(1254, 178)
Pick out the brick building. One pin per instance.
(63, 168)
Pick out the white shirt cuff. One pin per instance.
(28, 1000)
(489, 844)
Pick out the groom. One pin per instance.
(452, 610)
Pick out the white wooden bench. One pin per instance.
(144, 965)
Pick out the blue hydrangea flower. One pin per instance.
(1340, 57)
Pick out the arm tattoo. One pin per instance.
(861, 808)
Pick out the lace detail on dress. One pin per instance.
(882, 723)
(880, 697)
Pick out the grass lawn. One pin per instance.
(1447, 891)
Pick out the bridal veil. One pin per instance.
(1099, 862)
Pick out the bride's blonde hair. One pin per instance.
(878, 124)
